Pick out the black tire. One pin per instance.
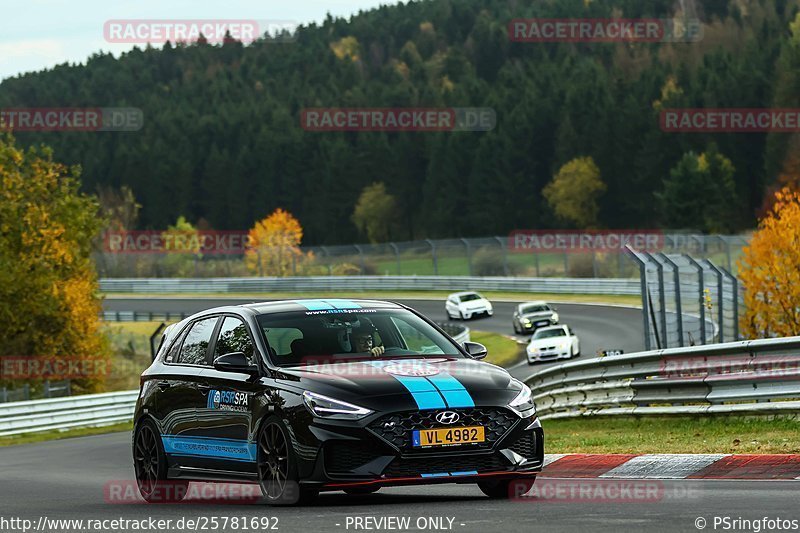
(150, 467)
(461, 316)
(516, 329)
(506, 488)
(277, 466)
(361, 491)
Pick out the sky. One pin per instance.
(39, 34)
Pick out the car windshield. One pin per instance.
(534, 309)
(547, 333)
(307, 337)
(470, 297)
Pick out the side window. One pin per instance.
(416, 340)
(281, 339)
(233, 337)
(175, 350)
(195, 345)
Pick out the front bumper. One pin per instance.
(549, 356)
(536, 324)
(469, 313)
(360, 454)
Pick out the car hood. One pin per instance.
(475, 304)
(408, 383)
(552, 341)
(534, 316)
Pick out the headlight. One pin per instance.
(526, 321)
(555, 317)
(533, 349)
(325, 407)
(522, 404)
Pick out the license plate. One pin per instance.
(543, 323)
(447, 436)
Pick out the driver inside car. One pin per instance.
(363, 342)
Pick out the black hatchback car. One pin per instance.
(306, 396)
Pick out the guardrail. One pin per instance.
(370, 283)
(89, 410)
(748, 377)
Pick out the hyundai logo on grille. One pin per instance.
(447, 417)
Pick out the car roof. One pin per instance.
(462, 293)
(317, 304)
(306, 304)
(535, 302)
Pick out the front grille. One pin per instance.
(436, 465)
(345, 456)
(396, 428)
(525, 445)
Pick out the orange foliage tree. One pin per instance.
(273, 247)
(770, 271)
(49, 301)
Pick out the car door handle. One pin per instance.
(164, 385)
(204, 389)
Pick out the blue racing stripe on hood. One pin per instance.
(454, 393)
(424, 393)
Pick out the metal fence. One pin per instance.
(749, 377)
(687, 301)
(370, 283)
(49, 389)
(487, 256)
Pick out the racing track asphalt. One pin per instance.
(598, 327)
(66, 479)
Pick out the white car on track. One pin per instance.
(465, 305)
(551, 343)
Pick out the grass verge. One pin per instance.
(672, 435)
(502, 350)
(57, 435)
(618, 299)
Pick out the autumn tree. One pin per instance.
(49, 302)
(119, 207)
(770, 271)
(273, 247)
(182, 246)
(574, 192)
(375, 213)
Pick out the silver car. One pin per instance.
(530, 316)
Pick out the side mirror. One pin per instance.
(235, 362)
(476, 350)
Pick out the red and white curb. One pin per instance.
(672, 466)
